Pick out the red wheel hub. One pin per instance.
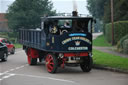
(49, 63)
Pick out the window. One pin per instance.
(89, 26)
(65, 23)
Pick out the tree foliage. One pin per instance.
(26, 13)
(102, 9)
(120, 11)
(96, 8)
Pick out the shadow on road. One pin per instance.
(66, 70)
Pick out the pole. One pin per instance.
(112, 20)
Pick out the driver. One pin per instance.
(53, 29)
(66, 24)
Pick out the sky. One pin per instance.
(59, 5)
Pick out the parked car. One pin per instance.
(3, 52)
(10, 46)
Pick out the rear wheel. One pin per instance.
(51, 63)
(5, 57)
(86, 66)
(31, 61)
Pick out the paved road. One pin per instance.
(16, 71)
(95, 35)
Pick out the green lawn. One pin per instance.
(18, 45)
(100, 41)
(109, 60)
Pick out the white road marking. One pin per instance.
(17, 68)
(21, 66)
(1, 74)
(12, 75)
(50, 78)
(55, 79)
(11, 70)
(7, 76)
(7, 72)
(46, 78)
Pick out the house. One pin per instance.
(3, 23)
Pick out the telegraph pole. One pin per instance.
(112, 20)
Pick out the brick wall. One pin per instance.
(3, 23)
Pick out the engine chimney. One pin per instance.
(74, 13)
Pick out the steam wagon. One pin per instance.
(61, 41)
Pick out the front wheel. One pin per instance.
(51, 63)
(86, 66)
(5, 56)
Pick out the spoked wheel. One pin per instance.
(5, 57)
(31, 61)
(86, 66)
(51, 63)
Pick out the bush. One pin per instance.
(11, 36)
(3, 35)
(13, 40)
(125, 46)
(122, 45)
(120, 30)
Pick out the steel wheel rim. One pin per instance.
(49, 63)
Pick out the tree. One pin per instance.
(26, 13)
(101, 9)
(96, 8)
(120, 11)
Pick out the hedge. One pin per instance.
(120, 30)
(10, 36)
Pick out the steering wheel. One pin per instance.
(64, 31)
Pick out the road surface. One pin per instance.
(16, 71)
(95, 35)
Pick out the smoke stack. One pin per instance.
(74, 13)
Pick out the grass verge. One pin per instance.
(18, 45)
(100, 41)
(109, 60)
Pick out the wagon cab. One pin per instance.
(76, 37)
